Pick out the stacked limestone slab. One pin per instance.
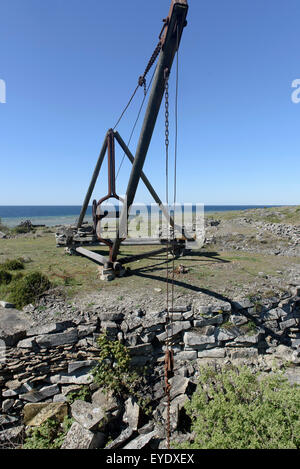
(42, 364)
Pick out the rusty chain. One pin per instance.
(142, 80)
(169, 352)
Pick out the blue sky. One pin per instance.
(70, 67)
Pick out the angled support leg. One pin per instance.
(92, 183)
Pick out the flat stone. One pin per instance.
(273, 325)
(174, 329)
(284, 353)
(85, 330)
(81, 376)
(218, 319)
(180, 385)
(287, 324)
(238, 319)
(223, 334)
(295, 343)
(153, 318)
(7, 404)
(247, 339)
(59, 398)
(147, 428)
(27, 343)
(186, 355)
(12, 435)
(132, 413)
(13, 325)
(207, 304)
(35, 396)
(50, 328)
(87, 415)
(141, 441)
(54, 340)
(243, 353)
(36, 414)
(7, 420)
(121, 439)
(105, 401)
(110, 316)
(193, 338)
(275, 313)
(73, 366)
(16, 385)
(9, 393)
(212, 353)
(81, 438)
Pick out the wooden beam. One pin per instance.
(92, 255)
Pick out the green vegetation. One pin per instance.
(115, 373)
(12, 264)
(21, 229)
(233, 409)
(83, 394)
(5, 277)
(250, 328)
(49, 435)
(27, 289)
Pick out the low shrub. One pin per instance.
(5, 277)
(13, 264)
(233, 409)
(114, 372)
(49, 435)
(27, 289)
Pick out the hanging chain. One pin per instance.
(169, 351)
(169, 356)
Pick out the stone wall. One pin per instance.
(42, 364)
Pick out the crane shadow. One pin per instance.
(182, 284)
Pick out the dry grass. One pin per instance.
(206, 269)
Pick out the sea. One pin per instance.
(52, 215)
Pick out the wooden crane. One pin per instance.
(169, 41)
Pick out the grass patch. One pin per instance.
(12, 264)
